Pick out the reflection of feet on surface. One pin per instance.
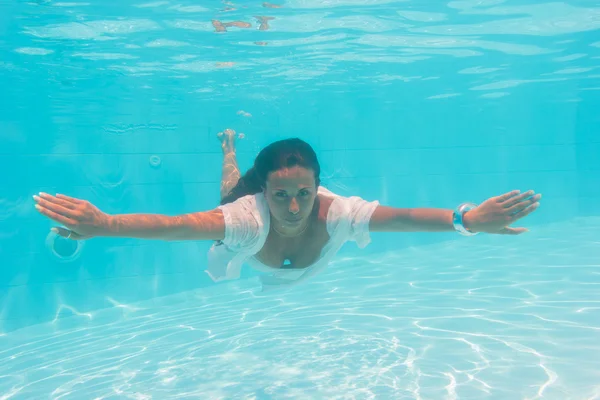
(222, 26)
(218, 26)
(264, 22)
(238, 24)
(229, 6)
(224, 64)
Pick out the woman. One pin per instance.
(279, 219)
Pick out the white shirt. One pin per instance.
(247, 224)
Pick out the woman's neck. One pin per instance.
(291, 233)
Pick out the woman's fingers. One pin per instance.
(62, 209)
(506, 196)
(63, 202)
(524, 203)
(55, 216)
(525, 211)
(55, 207)
(70, 199)
(512, 231)
(516, 199)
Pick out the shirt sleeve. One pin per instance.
(242, 226)
(351, 217)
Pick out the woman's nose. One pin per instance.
(294, 207)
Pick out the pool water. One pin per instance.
(490, 318)
(414, 104)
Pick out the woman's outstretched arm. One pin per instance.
(492, 216)
(83, 221)
(391, 219)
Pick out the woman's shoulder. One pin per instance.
(250, 205)
(325, 204)
(246, 220)
(347, 217)
(335, 208)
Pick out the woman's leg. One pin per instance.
(230, 174)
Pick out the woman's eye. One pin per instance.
(281, 194)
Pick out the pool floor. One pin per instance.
(488, 317)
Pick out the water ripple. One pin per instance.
(484, 318)
(344, 34)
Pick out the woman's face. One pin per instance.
(291, 194)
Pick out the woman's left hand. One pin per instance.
(497, 213)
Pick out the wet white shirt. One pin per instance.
(247, 224)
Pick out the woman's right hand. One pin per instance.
(82, 219)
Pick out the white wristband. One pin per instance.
(457, 219)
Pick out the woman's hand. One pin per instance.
(82, 219)
(495, 214)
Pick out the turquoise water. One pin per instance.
(413, 104)
(443, 321)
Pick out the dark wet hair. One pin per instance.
(281, 154)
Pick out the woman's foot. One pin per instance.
(227, 139)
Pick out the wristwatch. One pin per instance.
(457, 219)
